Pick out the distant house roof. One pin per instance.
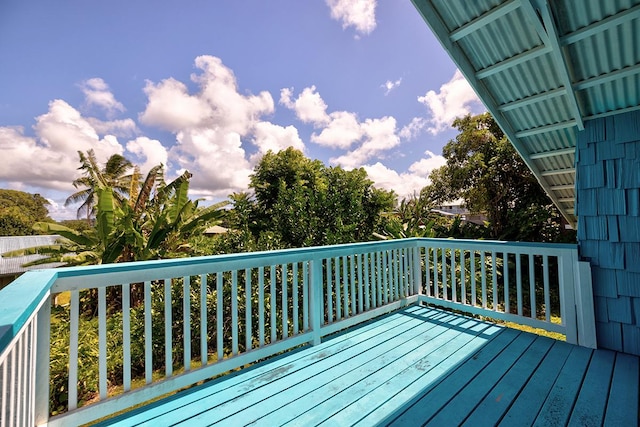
(14, 265)
(216, 229)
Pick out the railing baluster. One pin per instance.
(463, 276)
(248, 330)
(532, 287)
(234, 313)
(345, 286)
(102, 341)
(483, 272)
(329, 283)
(219, 314)
(336, 275)
(494, 279)
(285, 302)
(359, 261)
(519, 282)
(472, 263)
(379, 279)
(74, 318)
(386, 269)
(148, 331)
(445, 290)
(505, 275)
(204, 343)
(13, 386)
(126, 336)
(436, 285)
(18, 367)
(315, 299)
(261, 315)
(168, 323)
(186, 321)
(305, 296)
(42, 354)
(368, 261)
(454, 282)
(273, 302)
(547, 295)
(294, 294)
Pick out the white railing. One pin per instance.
(164, 325)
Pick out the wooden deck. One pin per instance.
(416, 366)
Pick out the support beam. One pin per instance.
(632, 70)
(484, 19)
(513, 61)
(563, 187)
(563, 66)
(567, 199)
(553, 153)
(534, 99)
(545, 129)
(600, 26)
(557, 172)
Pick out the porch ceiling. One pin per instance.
(542, 68)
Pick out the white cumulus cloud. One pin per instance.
(150, 153)
(211, 125)
(379, 136)
(359, 14)
(407, 183)
(456, 98)
(97, 93)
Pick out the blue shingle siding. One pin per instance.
(631, 339)
(609, 335)
(627, 282)
(627, 127)
(633, 202)
(619, 310)
(608, 209)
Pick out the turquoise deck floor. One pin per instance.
(416, 366)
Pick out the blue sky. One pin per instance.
(209, 86)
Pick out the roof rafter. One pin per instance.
(596, 27)
(558, 172)
(544, 129)
(605, 78)
(553, 153)
(534, 99)
(484, 19)
(513, 61)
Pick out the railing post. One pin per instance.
(567, 294)
(43, 350)
(417, 271)
(315, 300)
(585, 312)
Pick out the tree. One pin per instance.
(484, 169)
(113, 175)
(19, 211)
(152, 227)
(300, 202)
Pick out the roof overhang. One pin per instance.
(542, 68)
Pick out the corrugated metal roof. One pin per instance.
(14, 265)
(542, 67)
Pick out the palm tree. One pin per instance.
(113, 175)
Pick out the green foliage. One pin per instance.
(484, 169)
(112, 175)
(19, 211)
(300, 202)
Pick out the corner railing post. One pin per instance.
(568, 283)
(315, 300)
(585, 312)
(42, 363)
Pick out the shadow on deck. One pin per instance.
(416, 366)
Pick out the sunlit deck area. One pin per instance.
(416, 366)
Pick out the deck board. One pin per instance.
(416, 366)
